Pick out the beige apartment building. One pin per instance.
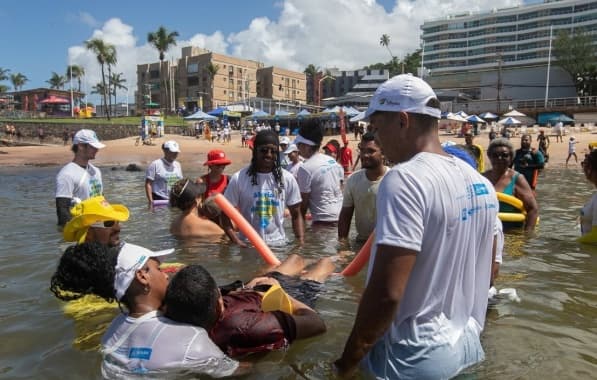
(201, 78)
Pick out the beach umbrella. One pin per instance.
(475, 119)
(488, 115)
(462, 114)
(456, 117)
(200, 115)
(514, 113)
(509, 121)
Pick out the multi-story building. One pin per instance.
(203, 79)
(503, 54)
(334, 83)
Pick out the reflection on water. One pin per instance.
(551, 333)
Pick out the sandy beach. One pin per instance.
(123, 151)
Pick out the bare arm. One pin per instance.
(63, 210)
(495, 267)
(523, 191)
(305, 203)
(379, 304)
(298, 224)
(148, 189)
(344, 222)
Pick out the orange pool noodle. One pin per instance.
(360, 259)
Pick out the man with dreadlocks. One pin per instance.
(262, 191)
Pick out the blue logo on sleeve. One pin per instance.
(480, 189)
(143, 353)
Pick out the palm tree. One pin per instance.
(76, 72)
(18, 80)
(3, 88)
(162, 40)
(111, 60)
(101, 51)
(212, 70)
(56, 81)
(100, 89)
(384, 40)
(117, 83)
(4, 74)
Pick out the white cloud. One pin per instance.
(332, 33)
(88, 19)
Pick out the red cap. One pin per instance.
(217, 157)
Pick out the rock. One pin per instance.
(133, 168)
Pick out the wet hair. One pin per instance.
(263, 138)
(184, 193)
(192, 297)
(498, 142)
(87, 268)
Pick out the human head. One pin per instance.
(332, 148)
(370, 152)
(186, 194)
(468, 138)
(309, 140)
(266, 151)
(86, 144)
(171, 150)
(525, 141)
(94, 219)
(193, 297)
(293, 153)
(216, 157)
(500, 152)
(589, 166)
(284, 141)
(402, 109)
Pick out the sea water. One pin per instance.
(551, 333)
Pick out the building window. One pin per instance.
(193, 68)
(154, 74)
(192, 81)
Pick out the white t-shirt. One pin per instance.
(263, 204)
(361, 193)
(74, 181)
(293, 168)
(321, 177)
(499, 237)
(163, 175)
(588, 215)
(572, 146)
(442, 208)
(154, 344)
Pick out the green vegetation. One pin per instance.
(575, 53)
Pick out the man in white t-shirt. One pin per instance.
(360, 191)
(423, 309)
(79, 178)
(162, 173)
(263, 190)
(320, 178)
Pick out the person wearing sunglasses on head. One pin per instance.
(263, 189)
(508, 181)
(96, 220)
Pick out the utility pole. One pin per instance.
(499, 82)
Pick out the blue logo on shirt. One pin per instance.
(480, 189)
(143, 353)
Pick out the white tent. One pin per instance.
(510, 121)
(514, 113)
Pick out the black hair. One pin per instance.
(313, 133)
(262, 138)
(184, 193)
(87, 268)
(192, 297)
(591, 159)
(368, 136)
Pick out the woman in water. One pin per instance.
(508, 181)
(588, 214)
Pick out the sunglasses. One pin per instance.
(105, 224)
(501, 155)
(266, 150)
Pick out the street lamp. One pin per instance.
(319, 87)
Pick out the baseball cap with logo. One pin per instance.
(131, 259)
(217, 157)
(87, 136)
(172, 146)
(406, 93)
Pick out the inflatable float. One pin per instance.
(360, 259)
(245, 227)
(160, 202)
(514, 219)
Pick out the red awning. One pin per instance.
(55, 100)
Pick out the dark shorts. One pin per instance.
(305, 291)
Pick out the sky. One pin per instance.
(41, 37)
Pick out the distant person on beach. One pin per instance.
(423, 308)
(284, 141)
(41, 134)
(96, 220)
(140, 340)
(263, 190)
(320, 179)
(79, 178)
(528, 161)
(509, 181)
(162, 173)
(360, 191)
(572, 150)
(235, 318)
(65, 136)
(543, 141)
(294, 158)
(475, 150)
(346, 158)
(559, 130)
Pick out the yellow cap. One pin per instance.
(276, 299)
(90, 211)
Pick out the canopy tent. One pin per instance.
(488, 115)
(358, 117)
(282, 113)
(335, 109)
(350, 111)
(258, 113)
(53, 99)
(217, 111)
(200, 115)
(475, 119)
(513, 113)
(456, 117)
(510, 121)
(303, 112)
(561, 118)
(462, 114)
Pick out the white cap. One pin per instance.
(285, 140)
(172, 146)
(403, 93)
(301, 140)
(131, 259)
(87, 136)
(291, 148)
